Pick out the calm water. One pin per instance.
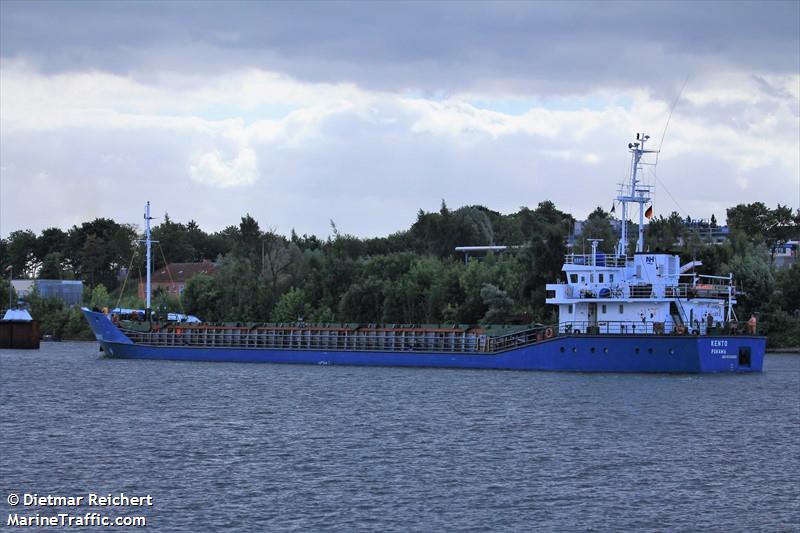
(304, 448)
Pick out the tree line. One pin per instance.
(413, 276)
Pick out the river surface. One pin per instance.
(252, 447)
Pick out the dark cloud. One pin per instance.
(532, 48)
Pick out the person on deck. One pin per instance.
(751, 325)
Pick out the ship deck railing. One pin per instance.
(689, 290)
(600, 260)
(650, 327)
(408, 341)
(650, 291)
(337, 340)
(309, 339)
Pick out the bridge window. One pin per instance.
(573, 278)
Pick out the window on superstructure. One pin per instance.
(573, 278)
(569, 309)
(603, 308)
(611, 278)
(583, 279)
(621, 309)
(600, 277)
(591, 278)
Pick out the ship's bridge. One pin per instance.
(615, 293)
(602, 276)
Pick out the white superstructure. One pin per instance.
(643, 293)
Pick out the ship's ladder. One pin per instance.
(677, 313)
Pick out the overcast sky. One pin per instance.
(303, 112)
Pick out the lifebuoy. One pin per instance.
(576, 332)
(548, 333)
(695, 332)
(680, 329)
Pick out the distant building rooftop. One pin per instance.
(181, 272)
(18, 314)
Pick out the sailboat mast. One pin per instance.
(148, 243)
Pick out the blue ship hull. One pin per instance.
(571, 353)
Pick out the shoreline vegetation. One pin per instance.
(414, 276)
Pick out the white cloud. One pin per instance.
(301, 153)
(212, 169)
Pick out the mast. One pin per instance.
(148, 243)
(635, 191)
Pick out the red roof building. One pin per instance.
(173, 277)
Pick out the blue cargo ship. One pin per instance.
(643, 312)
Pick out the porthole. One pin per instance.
(605, 350)
(592, 349)
(637, 350)
(649, 350)
(672, 351)
(574, 350)
(562, 349)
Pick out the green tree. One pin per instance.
(99, 249)
(174, 243)
(201, 297)
(21, 253)
(281, 262)
(664, 234)
(751, 269)
(440, 233)
(498, 303)
(291, 307)
(598, 226)
(100, 298)
(363, 301)
(762, 224)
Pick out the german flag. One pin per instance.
(649, 213)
